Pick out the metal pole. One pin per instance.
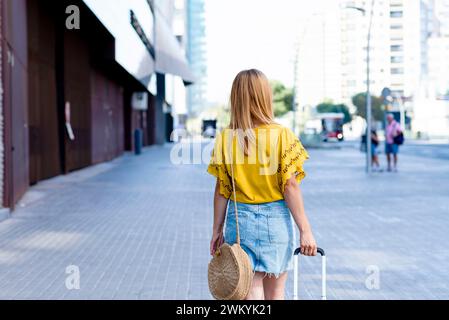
(295, 278)
(368, 88)
(323, 278)
(368, 94)
(402, 113)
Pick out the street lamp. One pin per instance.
(368, 89)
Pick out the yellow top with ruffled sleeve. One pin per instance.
(260, 176)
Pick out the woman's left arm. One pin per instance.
(295, 203)
(220, 204)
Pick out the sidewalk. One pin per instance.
(139, 228)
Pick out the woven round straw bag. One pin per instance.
(230, 271)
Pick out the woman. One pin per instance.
(267, 162)
(375, 164)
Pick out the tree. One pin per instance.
(359, 101)
(282, 98)
(329, 107)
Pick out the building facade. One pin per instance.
(178, 93)
(81, 79)
(395, 55)
(431, 112)
(318, 58)
(437, 45)
(196, 54)
(408, 46)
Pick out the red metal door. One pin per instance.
(77, 92)
(107, 118)
(17, 133)
(45, 159)
(15, 100)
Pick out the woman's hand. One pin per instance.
(216, 242)
(308, 244)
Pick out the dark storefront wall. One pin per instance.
(160, 121)
(77, 92)
(14, 43)
(138, 119)
(59, 66)
(107, 118)
(168, 126)
(45, 160)
(151, 122)
(96, 102)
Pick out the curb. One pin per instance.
(4, 214)
(322, 147)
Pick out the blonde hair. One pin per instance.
(251, 103)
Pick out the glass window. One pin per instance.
(396, 14)
(397, 70)
(396, 48)
(397, 59)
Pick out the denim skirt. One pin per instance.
(266, 235)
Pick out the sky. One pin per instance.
(244, 34)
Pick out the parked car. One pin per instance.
(209, 128)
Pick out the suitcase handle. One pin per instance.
(323, 273)
(319, 250)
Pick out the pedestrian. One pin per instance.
(374, 152)
(267, 165)
(392, 131)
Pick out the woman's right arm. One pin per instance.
(220, 204)
(295, 203)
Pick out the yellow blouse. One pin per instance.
(260, 176)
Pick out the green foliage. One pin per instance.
(282, 98)
(329, 107)
(359, 101)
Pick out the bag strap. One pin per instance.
(233, 189)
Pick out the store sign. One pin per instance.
(139, 101)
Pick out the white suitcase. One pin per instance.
(323, 273)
